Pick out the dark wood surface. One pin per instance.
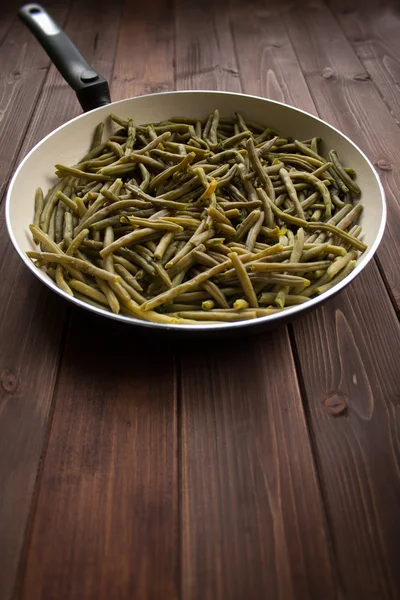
(150, 469)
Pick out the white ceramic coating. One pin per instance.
(70, 142)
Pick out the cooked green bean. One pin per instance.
(88, 290)
(351, 184)
(287, 181)
(39, 205)
(244, 279)
(258, 168)
(97, 136)
(77, 263)
(185, 215)
(339, 277)
(60, 281)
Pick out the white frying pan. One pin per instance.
(70, 142)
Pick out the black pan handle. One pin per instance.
(90, 87)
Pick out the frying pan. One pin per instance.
(71, 141)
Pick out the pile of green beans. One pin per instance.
(198, 221)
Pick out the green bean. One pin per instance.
(59, 222)
(198, 151)
(78, 264)
(184, 287)
(350, 217)
(97, 136)
(321, 187)
(130, 142)
(308, 151)
(68, 231)
(171, 170)
(216, 315)
(290, 299)
(339, 233)
(241, 123)
(340, 263)
(64, 171)
(88, 290)
(128, 265)
(154, 224)
(116, 149)
(131, 281)
(111, 298)
(174, 307)
(254, 232)
(321, 170)
(337, 201)
(76, 242)
(50, 203)
(261, 150)
(297, 267)
(348, 181)
(244, 279)
(258, 168)
(166, 156)
(39, 205)
(164, 206)
(62, 284)
(295, 257)
(235, 139)
(68, 202)
(341, 275)
(212, 135)
(286, 178)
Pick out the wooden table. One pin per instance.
(260, 468)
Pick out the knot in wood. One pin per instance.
(336, 404)
(328, 73)
(9, 381)
(384, 165)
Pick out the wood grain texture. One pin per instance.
(106, 519)
(32, 316)
(145, 52)
(373, 30)
(24, 66)
(359, 450)
(266, 58)
(206, 56)
(241, 527)
(8, 17)
(315, 359)
(112, 492)
(346, 97)
(252, 521)
(188, 473)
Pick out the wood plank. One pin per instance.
(354, 370)
(266, 58)
(349, 100)
(316, 343)
(243, 532)
(24, 67)
(201, 64)
(110, 473)
(372, 29)
(8, 16)
(145, 50)
(252, 522)
(361, 338)
(106, 518)
(31, 313)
